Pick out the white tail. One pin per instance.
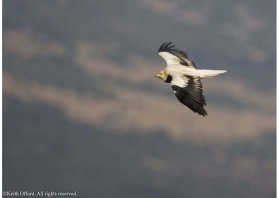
(204, 73)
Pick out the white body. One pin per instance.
(174, 67)
(181, 73)
(179, 70)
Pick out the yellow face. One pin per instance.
(162, 75)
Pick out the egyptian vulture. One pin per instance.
(184, 77)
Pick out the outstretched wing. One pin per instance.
(174, 56)
(188, 91)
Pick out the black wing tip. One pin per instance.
(166, 46)
(170, 47)
(198, 109)
(195, 101)
(202, 112)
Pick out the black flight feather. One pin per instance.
(192, 96)
(181, 55)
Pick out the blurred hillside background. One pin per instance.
(82, 111)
